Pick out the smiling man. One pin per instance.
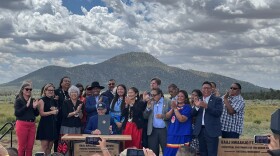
(110, 92)
(233, 112)
(208, 111)
(94, 99)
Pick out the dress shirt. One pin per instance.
(206, 100)
(158, 107)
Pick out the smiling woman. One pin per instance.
(25, 112)
(72, 113)
(46, 132)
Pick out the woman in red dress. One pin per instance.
(133, 118)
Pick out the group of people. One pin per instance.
(152, 120)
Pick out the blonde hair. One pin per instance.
(46, 87)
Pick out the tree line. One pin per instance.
(262, 95)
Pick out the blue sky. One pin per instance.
(234, 38)
(75, 5)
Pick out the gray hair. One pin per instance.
(74, 89)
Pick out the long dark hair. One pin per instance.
(198, 92)
(116, 97)
(187, 100)
(61, 80)
(136, 91)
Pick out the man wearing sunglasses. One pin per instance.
(110, 92)
(155, 112)
(233, 112)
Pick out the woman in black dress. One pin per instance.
(134, 121)
(72, 113)
(47, 131)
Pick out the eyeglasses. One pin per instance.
(111, 84)
(50, 90)
(28, 89)
(153, 95)
(233, 88)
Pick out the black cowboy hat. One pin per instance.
(96, 84)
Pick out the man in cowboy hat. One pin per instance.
(94, 99)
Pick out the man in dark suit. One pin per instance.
(109, 93)
(208, 111)
(96, 98)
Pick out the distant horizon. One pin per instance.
(237, 39)
(143, 56)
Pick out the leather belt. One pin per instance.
(32, 120)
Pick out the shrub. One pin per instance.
(257, 122)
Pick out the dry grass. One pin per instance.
(257, 119)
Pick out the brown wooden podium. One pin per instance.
(82, 149)
(83, 137)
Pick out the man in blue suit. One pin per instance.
(94, 99)
(208, 111)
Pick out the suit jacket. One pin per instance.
(108, 94)
(149, 114)
(274, 152)
(211, 118)
(91, 105)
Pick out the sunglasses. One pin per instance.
(28, 89)
(111, 84)
(233, 88)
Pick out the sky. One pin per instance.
(234, 38)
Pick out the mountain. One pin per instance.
(132, 69)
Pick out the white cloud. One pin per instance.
(238, 38)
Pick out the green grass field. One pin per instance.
(257, 119)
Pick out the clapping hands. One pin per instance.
(146, 96)
(200, 103)
(35, 103)
(173, 104)
(79, 108)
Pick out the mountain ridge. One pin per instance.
(132, 69)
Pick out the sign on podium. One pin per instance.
(83, 149)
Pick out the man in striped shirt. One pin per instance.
(233, 112)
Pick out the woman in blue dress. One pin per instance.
(179, 132)
(117, 105)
